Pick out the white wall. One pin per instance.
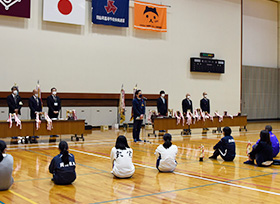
(97, 59)
(260, 36)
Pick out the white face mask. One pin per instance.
(205, 96)
(188, 97)
(54, 93)
(36, 95)
(15, 92)
(162, 95)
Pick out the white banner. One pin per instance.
(65, 11)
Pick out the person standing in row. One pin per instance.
(162, 104)
(187, 106)
(14, 101)
(138, 105)
(35, 106)
(54, 105)
(205, 105)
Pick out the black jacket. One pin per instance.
(187, 105)
(205, 105)
(262, 152)
(54, 104)
(34, 106)
(226, 147)
(162, 107)
(14, 104)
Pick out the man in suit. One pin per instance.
(14, 101)
(54, 105)
(205, 105)
(162, 104)
(138, 105)
(187, 106)
(35, 105)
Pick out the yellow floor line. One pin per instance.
(22, 197)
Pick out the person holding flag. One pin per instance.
(138, 107)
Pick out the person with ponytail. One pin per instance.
(121, 158)
(63, 166)
(166, 153)
(6, 168)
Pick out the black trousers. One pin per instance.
(217, 153)
(136, 129)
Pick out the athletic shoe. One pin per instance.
(267, 163)
(135, 140)
(139, 140)
(249, 162)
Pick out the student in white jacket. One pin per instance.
(121, 157)
(166, 153)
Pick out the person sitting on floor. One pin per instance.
(262, 152)
(273, 139)
(225, 147)
(63, 166)
(166, 152)
(121, 158)
(6, 168)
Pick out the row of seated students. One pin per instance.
(63, 166)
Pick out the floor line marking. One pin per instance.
(22, 197)
(188, 175)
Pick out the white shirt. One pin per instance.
(122, 162)
(167, 158)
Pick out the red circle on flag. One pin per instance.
(64, 7)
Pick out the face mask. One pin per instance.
(54, 93)
(15, 92)
(205, 96)
(162, 95)
(36, 95)
(140, 95)
(188, 97)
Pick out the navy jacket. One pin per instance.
(14, 104)
(226, 147)
(187, 105)
(161, 107)
(63, 174)
(138, 107)
(34, 107)
(205, 105)
(54, 104)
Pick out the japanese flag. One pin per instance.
(65, 11)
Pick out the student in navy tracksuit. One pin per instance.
(225, 147)
(138, 105)
(63, 166)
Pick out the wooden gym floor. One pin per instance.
(192, 182)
